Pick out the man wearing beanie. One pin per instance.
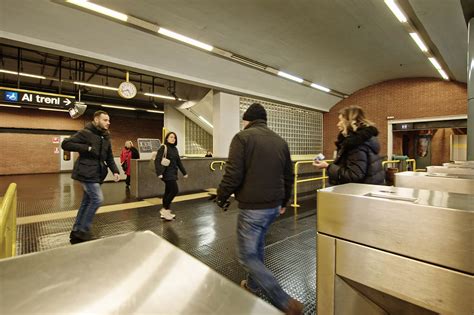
(259, 172)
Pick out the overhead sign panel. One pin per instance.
(25, 97)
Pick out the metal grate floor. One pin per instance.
(205, 232)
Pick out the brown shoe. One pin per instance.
(295, 307)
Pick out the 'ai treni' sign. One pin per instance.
(40, 99)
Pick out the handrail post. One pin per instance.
(8, 222)
(295, 188)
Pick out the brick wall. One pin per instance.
(402, 99)
(29, 153)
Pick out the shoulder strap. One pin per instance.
(166, 151)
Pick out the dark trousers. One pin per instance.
(171, 190)
(127, 181)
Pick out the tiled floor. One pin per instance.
(201, 229)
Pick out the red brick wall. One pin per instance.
(27, 153)
(402, 99)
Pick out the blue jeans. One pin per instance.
(252, 225)
(91, 201)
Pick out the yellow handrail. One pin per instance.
(222, 163)
(390, 162)
(414, 164)
(296, 181)
(8, 222)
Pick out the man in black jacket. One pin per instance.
(90, 169)
(259, 172)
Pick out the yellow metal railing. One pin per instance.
(222, 163)
(413, 161)
(297, 181)
(8, 222)
(390, 162)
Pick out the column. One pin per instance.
(226, 121)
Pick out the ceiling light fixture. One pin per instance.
(443, 74)
(418, 41)
(435, 63)
(155, 111)
(289, 76)
(206, 121)
(99, 9)
(13, 106)
(105, 87)
(182, 38)
(320, 87)
(396, 10)
(118, 107)
(23, 74)
(53, 109)
(164, 96)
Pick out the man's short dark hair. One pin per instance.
(100, 112)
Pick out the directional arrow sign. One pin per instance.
(39, 99)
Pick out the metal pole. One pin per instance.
(470, 92)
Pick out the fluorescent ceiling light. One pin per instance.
(319, 87)
(7, 105)
(160, 96)
(155, 111)
(443, 74)
(105, 87)
(53, 109)
(119, 107)
(396, 10)
(99, 9)
(164, 96)
(205, 121)
(289, 76)
(435, 63)
(23, 74)
(182, 38)
(419, 42)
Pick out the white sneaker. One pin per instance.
(166, 214)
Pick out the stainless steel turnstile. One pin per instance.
(391, 250)
(454, 168)
(137, 273)
(463, 184)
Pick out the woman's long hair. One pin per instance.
(353, 118)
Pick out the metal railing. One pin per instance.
(297, 181)
(390, 162)
(222, 163)
(413, 161)
(8, 222)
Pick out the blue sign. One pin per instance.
(11, 96)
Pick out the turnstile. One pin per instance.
(136, 273)
(463, 184)
(392, 250)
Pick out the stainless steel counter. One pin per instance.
(393, 250)
(137, 273)
(463, 184)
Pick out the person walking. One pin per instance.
(167, 162)
(358, 159)
(90, 169)
(126, 156)
(259, 171)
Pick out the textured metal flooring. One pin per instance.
(47, 193)
(202, 230)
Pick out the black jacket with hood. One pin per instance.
(169, 172)
(91, 166)
(259, 169)
(358, 159)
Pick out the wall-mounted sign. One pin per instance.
(55, 139)
(56, 150)
(35, 98)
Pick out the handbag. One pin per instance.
(124, 166)
(164, 161)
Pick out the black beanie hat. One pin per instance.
(255, 111)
